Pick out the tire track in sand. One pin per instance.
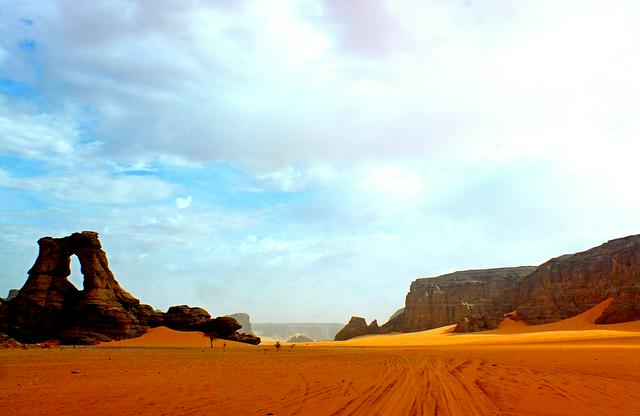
(400, 384)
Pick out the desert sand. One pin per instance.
(572, 367)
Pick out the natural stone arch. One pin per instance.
(49, 303)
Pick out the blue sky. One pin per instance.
(305, 161)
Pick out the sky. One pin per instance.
(306, 160)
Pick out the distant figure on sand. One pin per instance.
(224, 346)
(277, 345)
(291, 347)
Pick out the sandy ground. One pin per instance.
(569, 368)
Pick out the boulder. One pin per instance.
(185, 318)
(247, 338)
(226, 327)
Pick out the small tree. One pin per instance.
(212, 335)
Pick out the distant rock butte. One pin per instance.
(244, 320)
(49, 306)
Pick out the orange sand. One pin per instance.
(168, 338)
(571, 367)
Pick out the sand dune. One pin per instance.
(578, 329)
(163, 337)
(573, 367)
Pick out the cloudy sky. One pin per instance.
(306, 160)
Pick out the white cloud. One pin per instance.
(182, 203)
(38, 136)
(93, 187)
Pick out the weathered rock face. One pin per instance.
(373, 327)
(447, 299)
(395, 323)
(49, 304)
(244, 320)
(357, 327)
(185, 318)
(571, 284)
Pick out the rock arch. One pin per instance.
(49, 304)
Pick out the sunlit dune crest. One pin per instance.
(581, 327)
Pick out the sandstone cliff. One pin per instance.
(558, 289)
(444, 300)
(568, 285)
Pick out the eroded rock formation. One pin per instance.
(49, 306)
(185, 318)
(444, 300)
(568, 285)
(562, 287)
(49, 303)
(395, 323)
(357, 327)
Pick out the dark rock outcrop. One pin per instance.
(373, 327)
(49, 303)
(244, 321)
(226, 327)
(444, 300)
(185, 318)
(357, 327)
(246, 338)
